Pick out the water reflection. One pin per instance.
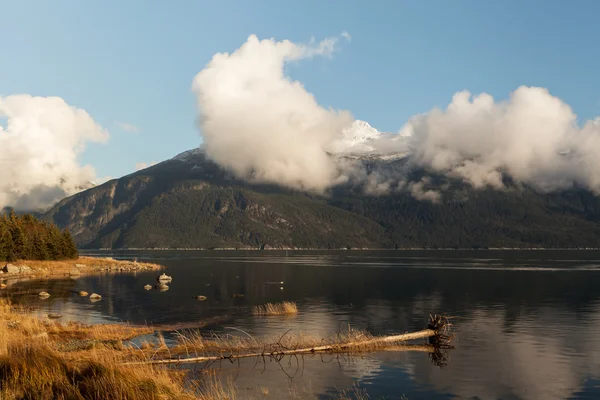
(528, 322)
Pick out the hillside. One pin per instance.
(189, 202)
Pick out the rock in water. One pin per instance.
(148, 287)
(95, 297)
(3, 285)
(237, 295)
(83, 293)
(201, 298)
(54, 316)
(11, 269)
(161, 287)
(44, 295)
(164, 278)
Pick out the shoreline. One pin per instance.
(353, 249)
(83, 265)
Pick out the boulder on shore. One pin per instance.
(74, 272)
(11, 269)
(24, 269)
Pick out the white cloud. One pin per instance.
(142, 165)
(420, 191)
(41, 140)
(346, 36)
(533, 137)
(262, 125)
(128, 127)
(266, 127)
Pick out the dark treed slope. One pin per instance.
(23, 237)
(189, 202)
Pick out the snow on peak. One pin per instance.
(356, 138)
(186, 155)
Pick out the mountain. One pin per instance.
(190, 202)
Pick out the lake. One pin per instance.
(528, 322)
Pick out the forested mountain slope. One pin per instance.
(189, 202)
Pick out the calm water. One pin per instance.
(528, 323)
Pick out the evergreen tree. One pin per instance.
(40, 248)
(25, 237)
(70, 250)
(18, 239)
(6, 244)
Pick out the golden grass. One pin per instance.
(270, 309)
(193, 343)
(34, 363)
(83, 265)
(43, 359)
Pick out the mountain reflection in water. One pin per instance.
(528, 322)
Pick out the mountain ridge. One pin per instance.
(190, 202)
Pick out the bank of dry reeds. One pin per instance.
(45, 360)
(84, 265)
(271, 309)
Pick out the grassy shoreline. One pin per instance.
(45, 359)
(79, 266)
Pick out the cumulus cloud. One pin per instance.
(261, 124)
(265, 127)
(41, 139)
(142, 165)
(128, 127)
(533, 137)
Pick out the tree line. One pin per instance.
(24, 237)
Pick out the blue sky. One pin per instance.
(133, 61)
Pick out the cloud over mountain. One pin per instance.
(41, 139)
(264, 126)
(533, 137)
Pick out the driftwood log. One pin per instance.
(437, 332)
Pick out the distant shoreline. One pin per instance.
(357, 249)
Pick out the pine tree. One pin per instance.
(40, 248)
(25, 237)
(69, 248)
(18, 239)
(6, 244)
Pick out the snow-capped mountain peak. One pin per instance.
(356, 138)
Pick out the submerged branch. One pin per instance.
(365, 345)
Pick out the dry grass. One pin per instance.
(215, 389)
(193, 343)
(84, 265)
(269, 309)
(43, 359)
(36, 363)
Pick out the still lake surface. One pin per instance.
(528, 322)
